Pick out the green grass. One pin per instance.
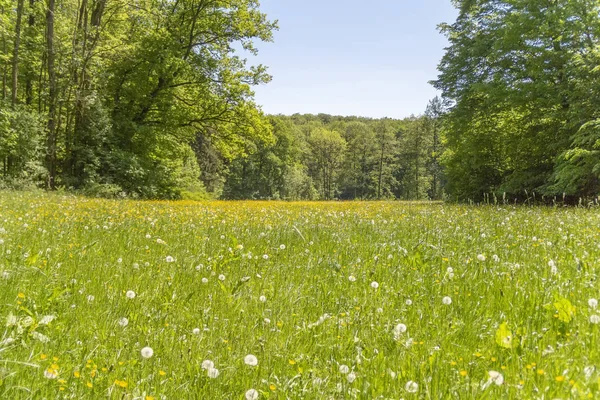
(75, 259)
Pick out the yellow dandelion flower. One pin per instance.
(89, 384)
(463, 373)
(540, 372)
(292, 362)
(43, 356)
(21, 295)
(162, 373)
(272, 387)
(559, 378)
(76, 374)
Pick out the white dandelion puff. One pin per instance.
(207, 364)
(481, 257)
(344, 369)
(447, 300)
(212, 373)
(398, 331)
(496, 377)
(251, 360)
(411, 387)
(593, 303)
(130, 294)
(251, 394)
(374, 284)
(147, 352)
(595, 319)
(351, 377)
(123, 322)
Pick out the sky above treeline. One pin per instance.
(349, 57)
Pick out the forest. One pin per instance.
(154, 99)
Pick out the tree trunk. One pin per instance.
(30, 72)
(52, 98)
(15, 59)
(380, 174)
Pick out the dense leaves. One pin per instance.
(522, 77)
(125, 89)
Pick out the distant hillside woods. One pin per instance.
(327, 157)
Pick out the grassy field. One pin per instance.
(246, 300)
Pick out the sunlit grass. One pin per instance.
(233, 300)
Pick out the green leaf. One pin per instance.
(563, 308)
(505, 338)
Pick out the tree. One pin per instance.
(509, 71)
(326, 158)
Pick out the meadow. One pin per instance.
(273, 300)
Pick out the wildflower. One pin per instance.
(147, 352)
(408, 302)
(593, 303)
(204, 280)
(196, 331)
(221, 277)
(351, 377)
(170, 259)
(496, 378)
(374, 285)
(251, 394)
(463, 373)
(262, 299)
(207, 364)
(481, 257)
(411, 387)
(251, 360)
(594, 319)
(123, 322)
(212, 373)
(399, 330)
(282, 247)
(130, 294)
(447, 300)
(344, 369)
(352, 278)
(51, 373)
(266, 256)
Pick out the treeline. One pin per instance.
(154, 99)
(151, 99)
(114, 96)
(523, 80)
(327, 157)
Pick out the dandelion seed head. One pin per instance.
(147, 352)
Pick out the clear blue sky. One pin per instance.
(349, 57)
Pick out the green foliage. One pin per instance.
(135, 87)
(520, 76)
